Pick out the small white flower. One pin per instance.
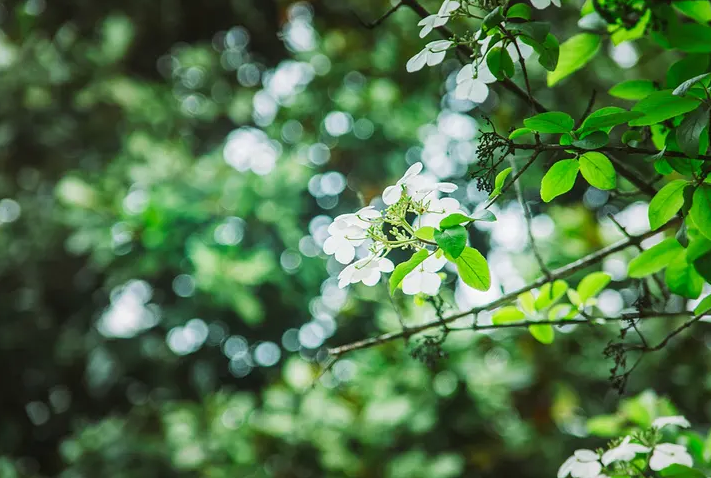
(625, 451)
(365, 270)
(472, 81)
(677, 420)
(424, 279)
(437, 210)
(667, 454)
(541, 4)
(583, 464)
(433, 54)
(526, 50)
(439, 19)
(392, 194)
(347, 232)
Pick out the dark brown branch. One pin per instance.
(608, 149)
(559, 273)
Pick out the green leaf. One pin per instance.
(548, 52)
(473, 269)
(537, 31)
(507, 314)
(492, 19)
(550, 294)
(519, 10)
(698, 10)
(681, 471)
(689, 132)
(425, 233)
(655, 258)
(689, 37)
(594, 140)
(682, 278)
(543, 333)
(592, 285)
(631, 135)
(683, 88)
(551, 122)
(688, 67)
(633, 89)
(484, 215)
(700, 211)
(499, 62)
(620, 35)
(527, 302)
(704, 306)
(662, 105)
(517, 133)
(598, 170)
(406, 267)
(559, 179)
(702, 265)
(454, 220)
(501, 178)
(452, 240)
(666, 203)
(609, 117)
(575, 53)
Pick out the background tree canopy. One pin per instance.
(169, 173)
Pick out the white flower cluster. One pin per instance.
(383, 231)
(589, 464)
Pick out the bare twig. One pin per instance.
(381, 19)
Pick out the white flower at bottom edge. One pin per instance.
(583, 464)
(625, 451)
(667, 454)
(424, 278)
(541, 4)
(677, 420)
(432, 54)
(471, 82)
(365, 270)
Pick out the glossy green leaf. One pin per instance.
(655, 258)
(454, 220)
(519, 10)
(517, 133)
(704, 306)
(609, 117)
(404, 268)
(594, 140)
(662, 105)
(682, 278)
(473, 269)
(690, 66)
(500, 63)
(452, 240)
(527, 302)
(633, 89)
(575, 53)
(425, 233)
(666, 203)
(699, 10)
(507, 314)
(551, 122)
(700, 211)
(681, 471)
(592, 284)
(543, 333)
(598, 170)
(691, 130)
(690, 37)
(559, 179)
(501, 178)
(484, 215)
(550, 294)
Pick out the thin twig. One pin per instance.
(559, 273)
(381, 19)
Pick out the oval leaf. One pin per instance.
(666, 203)
(575, 53)
(559, 179)
(452, 240)
(662, 105)
(406, 267)
(700, 211)
(655, 258)
(598, 170)
(473, 269)
(551, 122)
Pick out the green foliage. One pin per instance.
(666, 203)
(662, 105)
(452, 240)
(575, 53)
(559, 179)
(655, 258)
(700, 211)
(598, 170)
(404, 268)
(633, 89)
(500, 63)
(473, 269)
(551, 122)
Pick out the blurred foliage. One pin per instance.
(167, 171)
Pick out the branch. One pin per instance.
(608, 149)
(559, 273)
(381, 19)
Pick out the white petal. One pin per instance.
(540, 4)
(556, 3)
(429, 283)
(412, 282)
(330, 245)
(440, 21)
(446, 187)
(438, 45)
(677, 420)
(466, 73)
(588, 469)
(449, 205)
(417, 62)
(372, 278)
(411, 172)
(427, 25)
(525, 49)
(565, 468)
(434, 263)
(448, 6)
(660, 460)
(472, 90)
(585, 455)
(392, 194)
(345, 253)
(484, 74)
(385, 265)
(435, 58)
